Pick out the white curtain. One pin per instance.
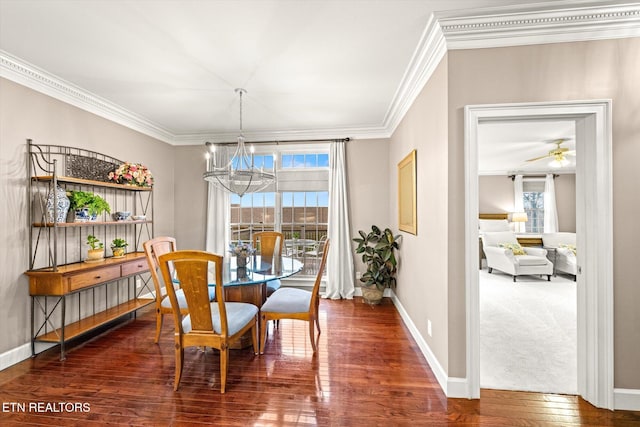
(217, 237)
(550, 208)
(340, 271)
(518, 204)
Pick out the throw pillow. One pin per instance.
(572, 248)
(515, 248)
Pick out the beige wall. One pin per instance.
(566, 71)
(25, 114)
(190, 197)
(566, 202)
(422, 277)
(495, 195)
(368, 180)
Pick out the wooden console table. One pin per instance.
(72, 278)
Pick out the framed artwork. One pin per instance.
(407, 218)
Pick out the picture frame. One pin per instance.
(407, 213)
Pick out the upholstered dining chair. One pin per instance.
(153, 249)
(293, 303)
(270, 244)
(215, 324)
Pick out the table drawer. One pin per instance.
(134, 267)
(79, 281)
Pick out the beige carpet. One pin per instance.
(528, 338)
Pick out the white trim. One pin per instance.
(436, 368)
(428, 54)
(451, 386)
(560, 21)
(33, 77)
(15, 355)
(594, 220)
(627, 399)
(20, 353)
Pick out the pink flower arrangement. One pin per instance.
(132, 174)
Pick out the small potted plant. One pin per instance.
(118, 247)
(378, 254)
(87, 206)
(96, 251)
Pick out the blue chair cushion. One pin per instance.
(288, 300)
(182, 302)
(238, 315)
(273, 286)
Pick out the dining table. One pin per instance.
(249, 284)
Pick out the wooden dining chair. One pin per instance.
(270, 244)
(153, 249)
(293, 303)
(217, 324)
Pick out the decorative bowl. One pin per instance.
(139, 217)
(121, 216)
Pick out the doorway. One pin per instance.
(528, 329)
(593, 229)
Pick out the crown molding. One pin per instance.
(564, 21)
(26, 74)
(371, 132)
(560, 21)
(428, 54)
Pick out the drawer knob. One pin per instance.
(98, 277)
(140, 266)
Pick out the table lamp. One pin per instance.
(518, 218)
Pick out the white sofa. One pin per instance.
(533, 262)
(564, 244)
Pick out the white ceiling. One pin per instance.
(504, 147)
(307, 65)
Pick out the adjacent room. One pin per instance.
(527, 182)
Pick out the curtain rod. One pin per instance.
(513, 177)
(301, 142)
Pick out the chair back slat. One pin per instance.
(192, 270)
(270, 243)
(315, 297)
(153, 249)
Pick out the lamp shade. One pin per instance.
(519, 217)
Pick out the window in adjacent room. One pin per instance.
(533, 203)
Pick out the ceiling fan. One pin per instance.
(558, 155)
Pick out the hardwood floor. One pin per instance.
(368, 371)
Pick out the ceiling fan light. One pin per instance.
(558, 162)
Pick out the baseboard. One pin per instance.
(437, 369)
(15, 355)
(626, 399)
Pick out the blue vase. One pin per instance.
(63, 203)
(83, 215)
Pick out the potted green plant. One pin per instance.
(118, 246)
(87, 206)
(378, 254)
(96, 249)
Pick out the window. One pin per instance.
(251, 213)
(305, 214)
(533, 203)
(298, 207)
(308, 160)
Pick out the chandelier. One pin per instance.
(238, 175)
